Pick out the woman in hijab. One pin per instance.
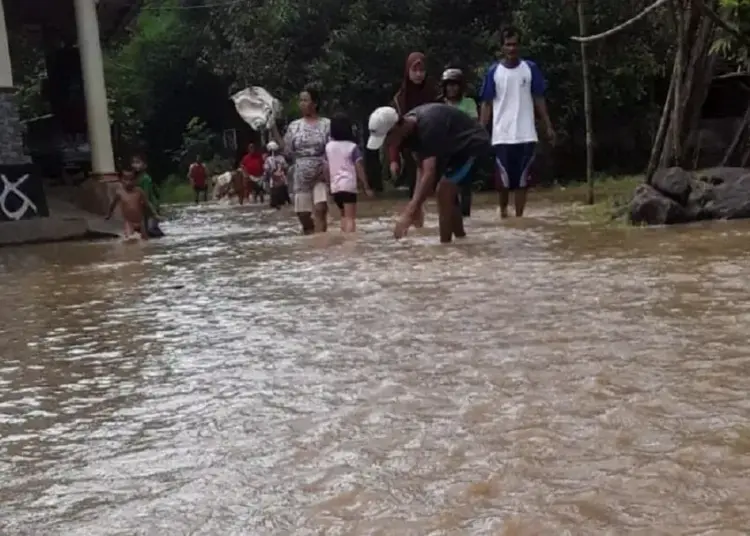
(416, 89)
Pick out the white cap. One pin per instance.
(272, 146)
(381, 122)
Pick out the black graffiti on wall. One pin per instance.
(21, 193)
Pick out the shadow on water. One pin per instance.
(235, 378)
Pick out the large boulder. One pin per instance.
(674, 183)
(731, 199)
(679, 196)
(650, 207)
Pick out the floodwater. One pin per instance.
(237, 379)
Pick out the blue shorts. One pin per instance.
(514, 164)
(462, 173)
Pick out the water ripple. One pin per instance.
(235, 378)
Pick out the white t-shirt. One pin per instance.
(511, 90)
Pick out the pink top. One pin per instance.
(342, 158)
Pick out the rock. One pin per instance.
(701, 194)
(679, 196)
(649, 206)
(731, 199)
(720, 175)
(673, 182)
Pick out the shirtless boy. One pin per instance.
(134, 206)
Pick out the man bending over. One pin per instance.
(447, 145)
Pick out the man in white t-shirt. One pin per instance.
(511, 95)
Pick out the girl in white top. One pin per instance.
(345, 169)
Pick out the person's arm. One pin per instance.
(471, 107)
(538, 89)
(393, 152)
(359, 166)
(427, 178)
(276, 135)
(148, 207)
(153, 213)
(190, 172)
(486, 95)
(286, 144)
(147, 185)
(113, 205)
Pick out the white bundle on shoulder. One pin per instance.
(257, 107)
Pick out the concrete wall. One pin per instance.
(22, 195)
(11, 131)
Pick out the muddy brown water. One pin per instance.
(236, 379)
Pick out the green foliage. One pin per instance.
(623, 69)
(196, 140)
(728, 45)
(178, 67)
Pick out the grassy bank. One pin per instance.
(175, 190)
(610, 193)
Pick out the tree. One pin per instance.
(583, 28)
(697, 23)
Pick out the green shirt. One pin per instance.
(146, 184)
(466, 105)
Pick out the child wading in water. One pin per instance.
(275, 170)
(134, 206)
(146, 183)
(345, 169)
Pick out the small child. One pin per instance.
(134, 206)
(345, 169)
(275, 171)
(146, 183)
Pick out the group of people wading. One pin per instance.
(437, 140)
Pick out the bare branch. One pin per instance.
(728, 76)
(617, 29)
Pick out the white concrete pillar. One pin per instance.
(6, 73)
(92, 66)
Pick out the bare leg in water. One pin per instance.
(307, 223)
(419, 216)
(320, 224)
(519, 201)
(450, 219)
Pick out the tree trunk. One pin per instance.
(745, 162)
(582, 28)
(698, 77)
(678, 108)
(661, 133)
(696, 72)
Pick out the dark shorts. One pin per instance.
(279, 196)
(461, 173)
(344, 198)
(200, 189)
(514, 164)
(153, 229)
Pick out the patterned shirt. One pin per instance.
(275, 170)
(305, 142)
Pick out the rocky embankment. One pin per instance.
(679, 196)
